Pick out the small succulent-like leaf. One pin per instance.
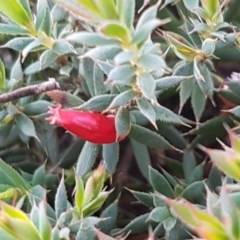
(159, 214)
(122, 123)
(104, 52)
(198, 101)
(227, 162)
(142, 157)
(110, 214)
(98, 103)
(91, 39)
(147, 110)
(25, 124)
(80, 11)
(122, 99)
(115, 30)
(44, 225)
(2, 75)
(87, 158)
(147, 85)
(124, 57)
(12, 29)
(79, 194)
(47, 58)
(122, 72)
(148, 138)
(15, 11)
(145, 198)
(12, 177)
(141, 34)
(160, 183)
(151, 62)
(208, 46)
(126, 10)
(61, 199)
(111, 156)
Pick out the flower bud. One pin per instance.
(90, 126)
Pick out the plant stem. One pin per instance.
(30, 90)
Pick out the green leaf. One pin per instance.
(148, 138)
(214, 178)
(124, 57)
(91, 39)
(18, 43)
(195, 192)
(122, 99)
(166, 115)
(87, 158)
(78, 10)
(36, 108)
(126, 9)
(235, 111)
(2, 75)
(39, 176)
(47, 58)
(159, 214)
(12, 177)
(61, 199)
(16, 71)
(122, 122)
(47, 23)
(44, 225)
(36, 43)
(79, 195)
(95, 204)
(145, 198)
(122, 72)
(172, 135)
(115, 30)
(191, 4)
(137, 225)
(142, 157)
(160, 184)
(94, 77)
(98, 103)
(208, 46)
(41, 13)
(25, 124)
(149, 14)
(15, 11)
(204, 80)
(111, 156)
(141, 34)
(151, 62)
(107, 9)
(110, 214)
(189, 164)
(147, 84)
(12, 29)
(169, 82)
(62, 48)
(104, 52)
(198, 101)
(26, 6)
(147, 110)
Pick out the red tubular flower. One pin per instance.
(90, 126)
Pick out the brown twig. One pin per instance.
(30, 90)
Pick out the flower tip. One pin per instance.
(51, 119)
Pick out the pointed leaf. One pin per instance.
(87, 158)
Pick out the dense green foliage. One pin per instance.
(165, 70)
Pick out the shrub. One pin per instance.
(127, 79)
